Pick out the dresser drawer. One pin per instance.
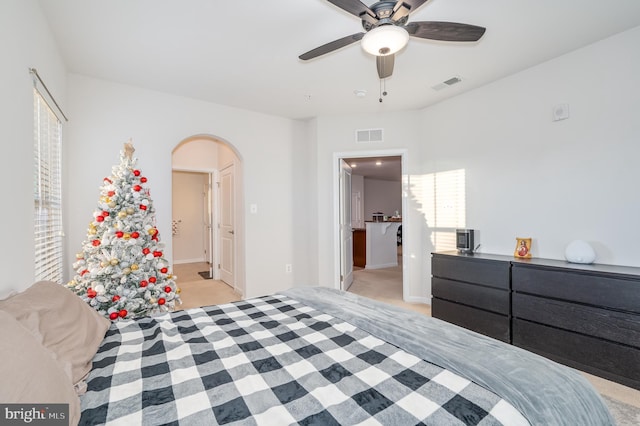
(483, 322)
(491, 273)
(615, 326)
(610, 360)
(487, 298)
(577, 286)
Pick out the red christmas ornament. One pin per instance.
(137, 188)
(143, 283)
(167, 289)
(113, 316)
(157, 254)
(143, 207)
(161, 301)
(111, 193)
(123, 313)
(105, 213)
(119, 234)
(95, 243)
(164, 270)
(115, 298)
(143, 179)
(84, 271)
(99, 218)
(135, 234)
(91, 293)
(146, 251)
(136, 172)
(152, 280)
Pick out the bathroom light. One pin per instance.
(385, 40)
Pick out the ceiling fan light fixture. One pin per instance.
(385, 40)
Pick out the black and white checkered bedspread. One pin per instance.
(272, 361)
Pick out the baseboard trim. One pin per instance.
(381, 266)
(180, 262)
(416, 299)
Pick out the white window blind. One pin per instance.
(442, 199)
(47, 192)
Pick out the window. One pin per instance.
(47, 192)
(442, 200)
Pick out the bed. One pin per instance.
(322, 356)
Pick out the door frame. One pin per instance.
(406, 225)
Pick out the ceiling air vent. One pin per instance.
(368, 135)
(447, 83)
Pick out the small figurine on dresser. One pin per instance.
(523, 248)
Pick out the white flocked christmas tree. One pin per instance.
(121, 271)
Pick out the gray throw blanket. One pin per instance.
(546, 393)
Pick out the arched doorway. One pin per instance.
(207, 220)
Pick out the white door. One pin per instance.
(208, 223)
(227, 226)
(357, 219)
(346, 232)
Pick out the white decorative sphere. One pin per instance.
(579, 252)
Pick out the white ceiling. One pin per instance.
(382, 168)
(245, 53)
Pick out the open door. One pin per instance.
(346, 232)
(227, 225)
(208, 225)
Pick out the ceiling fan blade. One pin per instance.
(354, 7)
(445, 31)
(385, 65)
(331, 46)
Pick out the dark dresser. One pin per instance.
(584, 316)
(473, 291)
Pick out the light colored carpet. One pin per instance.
(384, 285)
(196, 291)
(625, 414)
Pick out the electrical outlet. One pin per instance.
(288, 268)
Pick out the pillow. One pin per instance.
(29, 374)
(63, 323)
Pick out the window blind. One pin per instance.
(442, 199)
(47, 192)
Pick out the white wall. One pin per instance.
(104, 115)
(528, 176)
(382, 196)
(188, 212)
(196, 154)
(26, 43)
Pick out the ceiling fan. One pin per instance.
(387, 31)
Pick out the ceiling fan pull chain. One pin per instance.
(383, 88)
